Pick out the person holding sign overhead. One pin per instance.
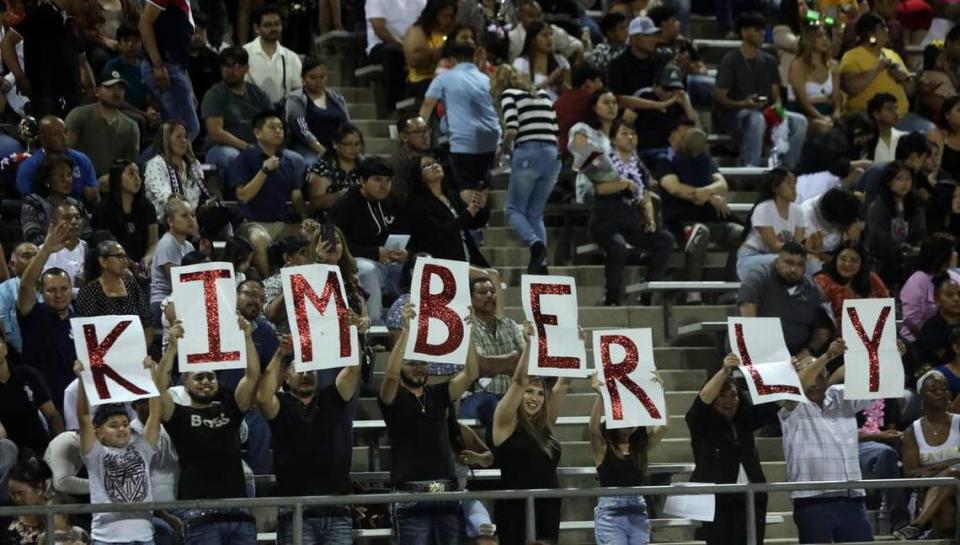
(206, 436)
(527, 450)
(724, 450)
(620, 456)
(416, 417)
(304, 417)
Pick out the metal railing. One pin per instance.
(299, 502)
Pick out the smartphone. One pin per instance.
(328, 234)
(762, 100)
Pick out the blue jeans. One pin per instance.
(163, 533)
(912, 122)
(176, 101)
(533, 173)
(424, 523)
(750, 127)
(8, 459)
(480, 405)
(475, 515)
(375, 277)
(700, 88)
(881, 461)
(222, 157)
(832, 520)
(621, 520)
(217, 533)
(318, 530)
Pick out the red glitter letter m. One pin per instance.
(435, 306)
(762, 388)
(540, 320)
(211, 308)
(97, 350)
(613, 372)
(302, 291)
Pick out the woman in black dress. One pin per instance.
(721, 435)
(527, 451)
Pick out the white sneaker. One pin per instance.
(694, 234)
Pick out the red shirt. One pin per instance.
(572, 107)
(837, 293)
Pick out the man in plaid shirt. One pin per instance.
(499, 342)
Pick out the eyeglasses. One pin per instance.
(253, 294)
(118, 256)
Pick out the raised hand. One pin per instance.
(730, 362)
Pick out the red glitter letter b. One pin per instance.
(436, 306)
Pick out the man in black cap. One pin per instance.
(101, 130)
(653, 126)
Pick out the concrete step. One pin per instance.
(373, 128)
(362, 110)
(355, 94)
(519, 256)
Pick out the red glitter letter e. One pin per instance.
(211, 308)
(612, 372)
(540, 320)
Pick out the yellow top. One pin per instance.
(434, 41)
(859, 59)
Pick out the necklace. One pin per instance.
(423, 405)
(935, 432)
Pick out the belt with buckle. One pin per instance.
(428, 486)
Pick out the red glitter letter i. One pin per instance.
(612, 372)
(762, 388)
(211, 307)
(97, 350)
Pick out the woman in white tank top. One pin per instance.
(931, 448)
(814, 80)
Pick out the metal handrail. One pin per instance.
(299, 502)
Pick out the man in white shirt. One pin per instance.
(882, 108)
(272, 67)
(387, 23)
(563, 43)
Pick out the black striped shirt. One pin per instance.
(533, 117)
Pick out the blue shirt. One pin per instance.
(9, 290)
(270, 203)
(472, 123)
(83, 173)
(266, 341)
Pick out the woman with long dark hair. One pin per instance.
(527, 450)
(895, 224)
(546, 69)
(938, 255)
(591, 135)
(423, 44)
(128, 215)
(814, 80)
(336, 172)
(621, 459)
(774, 220)
(849, 275)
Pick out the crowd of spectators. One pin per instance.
(141, 135)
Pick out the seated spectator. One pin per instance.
(623, 217)
(879, 445)
(265, 176)
(316, 111)
(387, 25)
(52, 186)
(367, 215)
(331, 177)
(787, 34)
(110, 289)
(925, 454)
(538, 62)
(101, 130)
(175, 171)
(914, 150)
(682, 53)
(203, 62)
(939, 79)
(933, 342)
(842, 153)
(273, 68)
(72, 255)
(423, 44)
(530, 132)
(228, 110)
(66, 464)
(99, 22)
(886, 10)
(937, 255)
(129, 216)
(9, 288)
(414, 140)
(637, 68)
(849, 275)
(45, 325)
(29, 487)
(943, 209)
(172, 247)
(824, 429)
(27, 412)
(613, 25)
(573, 106)
(529, 12)
(882, 107)
(338, 253)
(780, 290)
(813, 80)
(439, 221)
(653, 126)
(592, 132)
(127, 64)
(695, 207)
(829, 220)
(290, 251)
(747, 83)
(895, 224)
(53, 139)
(54, 72)
(775, 220)
(916, 18)
(239, 252)
(947, 139)
(471, 121)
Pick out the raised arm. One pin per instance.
(475, 452)
(270, 381)
(809, 374)
(471, 372)
(391, 377)
(161, 378)
(349, 377)
(712, 388)
(246, 391)
(87, 432)
(151, 428)
(597, 444)
(505, 416)
(27, 296)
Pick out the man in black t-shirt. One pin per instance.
(421, 456)
(24, 397)
(206, 435)
(307, 457)
(653, 126)
(637, 68)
